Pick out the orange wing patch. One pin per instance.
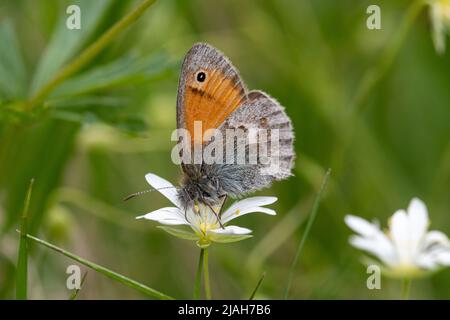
(211, 101)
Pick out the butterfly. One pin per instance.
(212, 93)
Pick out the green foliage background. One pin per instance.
(96, 135)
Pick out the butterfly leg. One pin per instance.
(223, 198)
(217, 216)
(185, 214)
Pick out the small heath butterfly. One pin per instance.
(211, 94)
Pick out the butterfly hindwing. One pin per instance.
(260, 111)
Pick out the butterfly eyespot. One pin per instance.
(201, 76)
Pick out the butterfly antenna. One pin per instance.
(131, 196)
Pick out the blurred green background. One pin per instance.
(95, 136)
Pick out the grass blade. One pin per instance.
(22, 260)
(309, 224)
(127, 70)
(109, 273)
(12, 68)
(75, 292)
(64, 43)
(88, 54)
(257, 286)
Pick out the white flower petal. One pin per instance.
(435, 257)
(436, 247)
(239, 213)
(248, 205)
(426, 261)
(418, 224)
(372, 245)
(251, 202)
(164, 187)
(418, 210)
(228, 230)
(169, 216)
(371, 239)
(443, 258)
(399, 231)
(361, 226)
(435, 237)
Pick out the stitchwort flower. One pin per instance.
(407, 249)
(201, 221)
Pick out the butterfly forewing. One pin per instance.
(211, 98)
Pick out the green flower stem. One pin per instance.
(206, 274)
(88, 54)
(406, 288)
(109, 273)
(198, 275)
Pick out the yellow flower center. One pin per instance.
(203, 227)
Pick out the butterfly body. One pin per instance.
(212, 93)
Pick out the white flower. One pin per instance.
(440, 20)
(407, 249)
(201, 219)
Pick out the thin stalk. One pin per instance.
(206, 275)
(74, 294)
(257, 286)
(22, 260)
(198, 275)
(87, 55)
(309, 224)
(406, 288)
